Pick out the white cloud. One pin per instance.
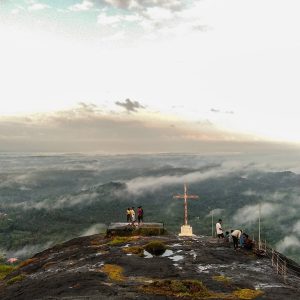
(28, 251)
(288, 242)
(250, 213)
(216, 212)
(85, 5)
(64, 201)
(158, 13)
(141, 184)
(17, 10)
(108, 20)
(35, 6)
(94, 229)
(296, 228)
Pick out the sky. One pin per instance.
(149, 75)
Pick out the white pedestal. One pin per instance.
(186, 230)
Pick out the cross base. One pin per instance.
(186, 230)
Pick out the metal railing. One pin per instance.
(283, 266)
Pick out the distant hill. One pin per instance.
(52, 199)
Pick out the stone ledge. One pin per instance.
(145, 229)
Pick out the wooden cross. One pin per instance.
(185, 196)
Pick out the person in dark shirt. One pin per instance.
(140, 215)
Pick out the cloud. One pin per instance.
(216, 212)
(214, 110)
(296, 228)
(250, 193)
(61, 202)
(172, 5)
(95, 229)
(28, 251)
(130, 106)
(85, 5)
(250, 213)
(35, 6)
(107, 20)
(161, 17)
(89, 128)
(289, 242)
(139, 185)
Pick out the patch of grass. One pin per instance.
(156, 248)
(247, 294)
(27, 262)
(5, 270)
(138, 250)
(221, 278)
(178, 288)
(119, 240)
(15, 279)
(114, 272)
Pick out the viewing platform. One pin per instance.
(145, 229)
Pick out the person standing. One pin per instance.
(219, 229)
(140, 215)
(128, 214)
(132, 214)
(236, 235)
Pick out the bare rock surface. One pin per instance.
(97, 267)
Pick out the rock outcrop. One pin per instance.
(98, 267)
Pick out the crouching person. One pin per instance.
(236, 235)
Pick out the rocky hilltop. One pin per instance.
(99, 267)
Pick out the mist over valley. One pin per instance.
(47, 199)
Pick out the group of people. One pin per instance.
(131, 216)
(238, 238)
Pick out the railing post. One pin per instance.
(277, 264)
(265, 246)
(273, 257)
(284, 272)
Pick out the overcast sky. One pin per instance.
(149, 75)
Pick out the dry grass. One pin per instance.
(114, 272)
(178, 288)
(27, 262)
(247, 294)
(138, 250)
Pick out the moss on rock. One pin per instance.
(221, 278)
(5, 270)
(119, 240)
(15, 279)
(156, 248)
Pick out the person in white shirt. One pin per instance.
(236, 234)
(219, 229)
(132, 213)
